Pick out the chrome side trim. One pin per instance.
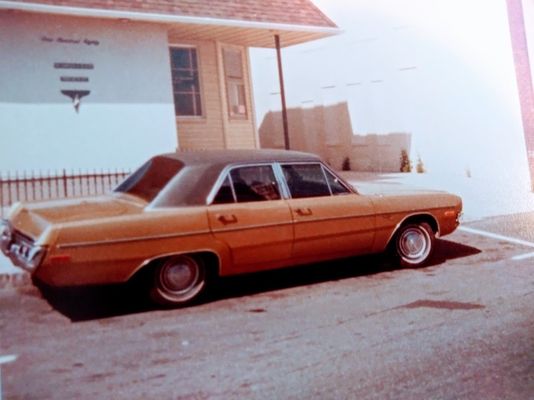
(241, 228)
(249, 227)
(133, 239)
(292, 222)
(341, 217)
(415, 213)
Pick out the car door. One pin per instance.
(250, 216)
(329, 218)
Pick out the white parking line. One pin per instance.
(4, 360)
(523, 256)
(496, 236)
(503, 238)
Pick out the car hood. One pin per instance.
(389, 189)
(389, 198)
(33, 219)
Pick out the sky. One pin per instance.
(441, 70)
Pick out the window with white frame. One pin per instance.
(185, 82)
(235, 82)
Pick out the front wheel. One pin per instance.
(414, 244)
(178, 280)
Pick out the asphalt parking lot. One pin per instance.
(462, 327)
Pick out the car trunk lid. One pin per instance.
(34, 218)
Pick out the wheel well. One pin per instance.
(211, 262)
(414, 219)
(209, 259)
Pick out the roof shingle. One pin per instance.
(291, 12)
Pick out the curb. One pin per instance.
(11, 281)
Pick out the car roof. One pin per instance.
(202, 168)
(228, 157)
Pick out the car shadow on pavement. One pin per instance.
(446, 250)
(98, 302)
(250, 284)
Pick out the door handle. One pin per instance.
(304, 212)
(227, 218)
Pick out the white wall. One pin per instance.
(441, 70)
(127, 117)
(528, 13)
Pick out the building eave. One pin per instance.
(246, 33)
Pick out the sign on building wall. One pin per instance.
(74, 76)
(82, 93)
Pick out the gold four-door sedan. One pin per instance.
(184, 216)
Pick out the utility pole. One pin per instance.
(282, 91)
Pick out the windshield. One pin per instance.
(150, 178)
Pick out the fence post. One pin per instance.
(41, 190)
(8, 188)
(32, 182)
(80, 181)
(17, 185)
(94, 181)
(22, 186)
(65, 183)
(25, 184)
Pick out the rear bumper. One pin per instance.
(20, 249)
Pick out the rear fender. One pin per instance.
(155, 259)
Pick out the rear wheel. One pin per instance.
(178, 280)
(414, 244)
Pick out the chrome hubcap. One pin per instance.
(414, 244)
(179, 275)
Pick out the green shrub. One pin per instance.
(346, 164)
(405, 162)
(420, 167)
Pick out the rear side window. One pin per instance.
(151, 178)
(246, 184)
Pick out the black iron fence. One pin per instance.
(34, 187)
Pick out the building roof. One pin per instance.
(247, 22)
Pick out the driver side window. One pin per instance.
(312, 180)
(306, 180)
